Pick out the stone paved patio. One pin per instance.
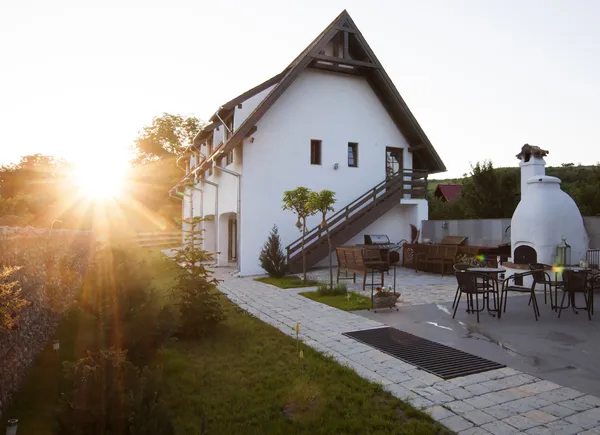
(503, 401)
(438, 288)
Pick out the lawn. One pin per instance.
(247, 378)
(290, 281)
(348, 302)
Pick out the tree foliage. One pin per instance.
(272, 258)
(166, 136)
(490, 192)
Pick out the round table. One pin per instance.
(487, 269)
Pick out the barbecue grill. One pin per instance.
(388, 249)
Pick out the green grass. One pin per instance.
(246, 378)
(290, 281)
(343, 302)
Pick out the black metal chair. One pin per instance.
(541, 277)
(468, 284)
(518, 287)
(462, 267)
(576, 281)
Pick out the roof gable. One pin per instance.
(448, 191)
(341, 48)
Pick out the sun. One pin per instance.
(100, 182)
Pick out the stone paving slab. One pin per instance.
(503, 401)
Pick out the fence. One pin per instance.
(492, 232)
(160, 239)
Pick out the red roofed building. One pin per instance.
(447, 192)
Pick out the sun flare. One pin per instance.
(100, 182)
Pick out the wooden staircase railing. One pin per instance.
(362, 211)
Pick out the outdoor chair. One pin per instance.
(462, 267)
(467, 284)
(541, 277)
(592, 256)
(576, 281)
(513, 284)
(594, 283)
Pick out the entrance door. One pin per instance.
(232, 240)
(393, 161)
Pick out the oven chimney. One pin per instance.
(532, 164)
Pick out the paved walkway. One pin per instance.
(503, 401)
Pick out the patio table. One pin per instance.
(492, 274)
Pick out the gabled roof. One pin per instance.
(449, 192)
(357, 59)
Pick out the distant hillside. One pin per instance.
(568, 174)
(490, 192)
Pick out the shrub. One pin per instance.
(127, 308)
(11, 301)
(195, 289)
(323, 289)
(106, 394)
(272, 258)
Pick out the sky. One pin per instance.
(80, 78)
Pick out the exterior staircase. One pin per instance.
(356, 216)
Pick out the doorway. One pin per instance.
(232, 240)
(393, 161)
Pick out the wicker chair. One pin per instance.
(577, 281)
(518, 288)
(541, 277)
(468, 284)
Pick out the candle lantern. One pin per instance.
(11, 426)
(563, 253)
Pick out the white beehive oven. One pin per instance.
(544, 216)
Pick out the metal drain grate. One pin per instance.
(435, 358)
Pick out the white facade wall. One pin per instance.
(335, 109)
(209, 204)
(395, 224)
(248, 107)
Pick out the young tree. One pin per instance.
(297, 201)
(272, 258)
(322, 202)
(195, 288)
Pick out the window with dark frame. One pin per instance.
(229, 158)
(315, 152)
(352, 155)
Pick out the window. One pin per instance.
(315, 152)
(229, 158)
(352, 155)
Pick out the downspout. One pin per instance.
(202, 180)
(239, 209)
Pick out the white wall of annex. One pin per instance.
(335, 109)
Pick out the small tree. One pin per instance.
(322, 202)
(196, 289)
(297, 201)
(272, 258)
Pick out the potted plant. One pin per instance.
(384, 298)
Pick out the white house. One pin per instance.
(333, 120)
